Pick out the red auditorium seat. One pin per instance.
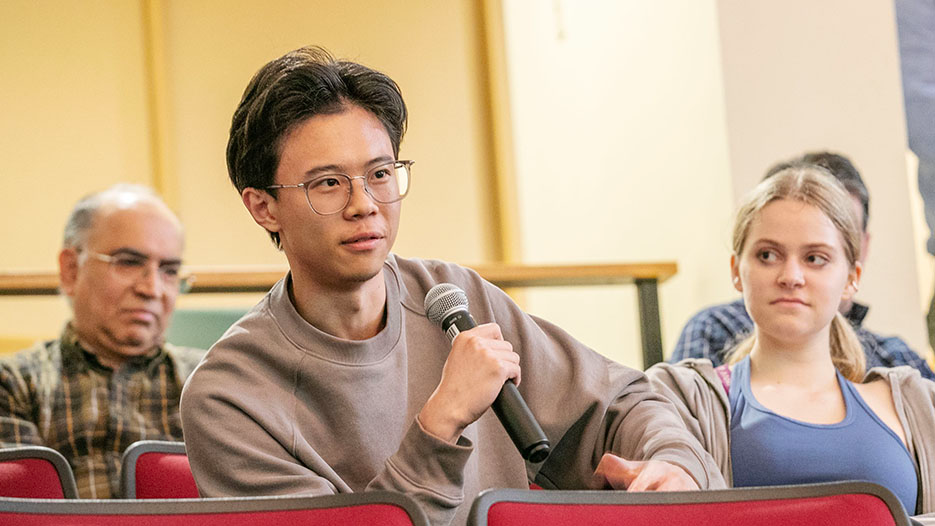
(156, 469)
(36, 472)
(831, 504)
(363, 509)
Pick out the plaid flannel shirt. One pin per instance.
(715, 330)
(58, 395)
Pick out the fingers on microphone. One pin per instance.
(482, 333)
(484, 344)
(507, 360)
(490, 330)
(478, 341)
(504, 363)
(513, 372)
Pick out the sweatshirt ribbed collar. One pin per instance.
(327, 347)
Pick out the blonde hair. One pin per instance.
(815, 186)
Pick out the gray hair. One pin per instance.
(82, 215)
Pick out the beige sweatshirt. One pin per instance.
(279, 407)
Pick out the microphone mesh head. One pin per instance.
(442, 299)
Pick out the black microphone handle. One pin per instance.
(520, 424)
(509, 406)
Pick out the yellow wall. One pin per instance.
(621, 155)
(637, 125)
(73, 115)
(430, 48)
(76, 95)
(835, 85)
(73, 120)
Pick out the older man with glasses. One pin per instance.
(109, 379)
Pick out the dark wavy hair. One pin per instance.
(293, 88)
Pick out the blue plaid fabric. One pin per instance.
(715, 330)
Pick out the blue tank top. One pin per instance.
(770, 449)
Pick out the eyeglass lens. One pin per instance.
(331, 193)
(135, 267)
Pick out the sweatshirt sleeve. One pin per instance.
(238, 445)
(429, 470)
(694, 390)
(236, 451)
(589, 405)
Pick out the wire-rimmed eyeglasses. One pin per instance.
(329, 194)
(131, 266)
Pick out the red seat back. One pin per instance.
(847, 503)
(164, 476)
(30, 478)
(35, 472)
(852, 510)
(371, 516)
(156, 469)
(365, 509)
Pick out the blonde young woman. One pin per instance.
(795, 404)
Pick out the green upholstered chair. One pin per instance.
(200, 328)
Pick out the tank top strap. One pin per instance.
(856, 402)
(739, 383)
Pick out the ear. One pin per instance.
(262, 207)
(853, 282)
(68, 270)
(735, 272)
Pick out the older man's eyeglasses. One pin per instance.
(329, 194)
(132, 266)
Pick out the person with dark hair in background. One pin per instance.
(337, 382)
(109, 379)
(712, 332)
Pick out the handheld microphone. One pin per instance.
(446, 305)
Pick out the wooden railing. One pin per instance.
(645, 276)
